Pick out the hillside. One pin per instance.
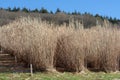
(88, 20)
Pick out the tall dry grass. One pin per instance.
(93, 49)
(102, 49)
(68, 53)
(31, 40)
(48, 46)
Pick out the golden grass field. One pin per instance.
(50, 47)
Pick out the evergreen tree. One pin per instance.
(99, 17)
(9, 9)
(74, 13)
(43, 10)
(36, 10)
(25, 10)
(58, 10)
(51, 12)
(15, 9)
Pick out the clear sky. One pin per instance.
(102, 7)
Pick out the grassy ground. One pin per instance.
(60, 76)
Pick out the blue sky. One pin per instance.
(102, 7)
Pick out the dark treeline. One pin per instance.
(87, 18)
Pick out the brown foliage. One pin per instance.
(47, 46)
